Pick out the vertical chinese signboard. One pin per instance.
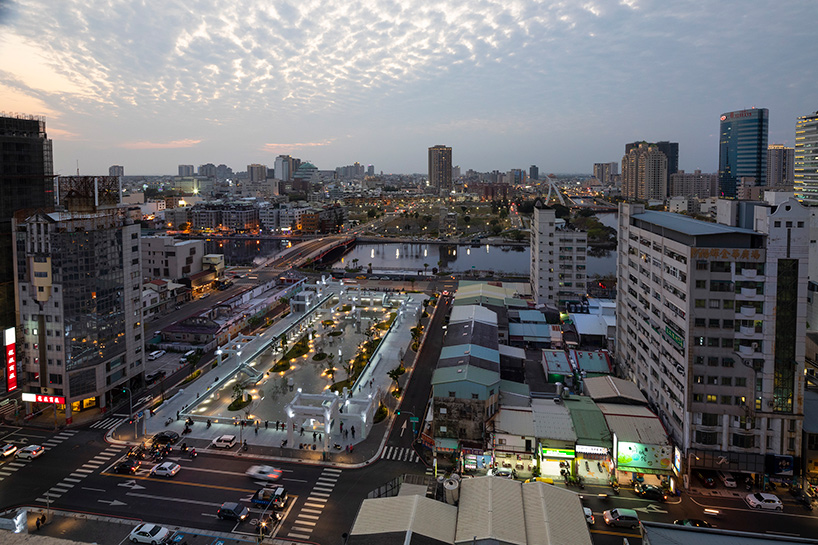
(9, 341)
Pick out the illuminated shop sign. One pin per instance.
(557, 453)
(40, 398)
(10, 338)
(591, 450)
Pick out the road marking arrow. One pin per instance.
(403, 428)
(113, 503)
(132, 485)
(651, 509)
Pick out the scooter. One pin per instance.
(168, 422)
(208, 423)
(615, 488)
(244, 446)
(193, 453)
(587, 467)
(599, 466)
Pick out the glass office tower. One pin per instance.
(742, 149)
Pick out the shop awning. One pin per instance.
(445, 444)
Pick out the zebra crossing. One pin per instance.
(7, 469)
(80, 473)
(400, 454)
(308, 516)
(108, 423)
(8, 408)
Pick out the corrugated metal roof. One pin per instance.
(589, 422)
(531, 316)
(474, 350)
(472, 313)
(491, 508)
(687, 225)
(468, 373)
(552, 420)
(610, 388)
(637, 429)
(530, 332)
(556, 362)
(554, 516)
(592, 361)
(417, 514)
(589, 324)
(515, 421)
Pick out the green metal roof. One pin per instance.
(465, 373)
(589, 422)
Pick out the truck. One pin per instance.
(275, 496)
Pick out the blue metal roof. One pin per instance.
(474, 350)
(689, 226)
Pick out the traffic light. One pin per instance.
(397, 412)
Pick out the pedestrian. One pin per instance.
(353, 431)
(319, 437)
(342, 427)
(302, 431)
(277, 424)
(314, 435)
(266, 424)
(257, 431)
(38, 523)
(177, 415)
(346, 434)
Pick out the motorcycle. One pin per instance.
(244, 446)
(193, 453)
(599, 466)
(208, 423)
(189, 421)
(186, 431)
(184, 447)
(587, 467)
(168, 422)
(615, 488)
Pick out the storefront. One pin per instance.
(594, 463)
(554, 459)
(475, 460)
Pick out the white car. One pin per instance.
(165, 469)
(150, 533)
(264, 473)
(589, 515)
(760, 500)
(224, 441)
(8, 449)
(30, 452)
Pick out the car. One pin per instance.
(505, 472)
(621, 517)
(8, 449)
(129, 466)
(707, 480)
(165, 437)
(264, 473)
(589, 515)
(224, 441)
(150, 533)
(165, 469)
(233, 511)
(650, 492)
(30, 452)
(205, 296)
(153, 377)
(760, 500)
(698, 523)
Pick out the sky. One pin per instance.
(151, 84)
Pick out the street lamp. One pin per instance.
(130, 408)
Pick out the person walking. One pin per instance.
(314, 435)
(266, 424)
(302, 431)
(352, 429)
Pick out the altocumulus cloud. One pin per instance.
(188, 143)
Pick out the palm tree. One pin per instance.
(425, 266)
(238, 390)
(395, 374)
(330, 367)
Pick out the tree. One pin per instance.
(184, 226)
(330, 366)
(395, 374)
(238, 391)
(425, 266)
(467, 219)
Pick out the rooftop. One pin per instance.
(687, 225)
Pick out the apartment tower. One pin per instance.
(780, 166)
(440, 168)
(711, 324)
(806, 159)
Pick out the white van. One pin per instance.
(726, 478)
(156, 354)
(186, 357)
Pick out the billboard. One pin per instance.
(9, 341)
(643, 458)
(40, 398)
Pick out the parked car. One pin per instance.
(505, 472)
(129, 466)
(232, 510)
(8, 449)
(621, 517)
(650, 492)
(224, 441)
(760, 500)
(150, 533)
(165, 437)
(165, 469)
(30, 452)
(707, 480)
(264, 473)
(589, 515)
(699, 523)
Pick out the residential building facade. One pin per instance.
(440, 168)
(711, 322)
(693, 184)
(780, 166)
(79, 288)
(171, 259)
(644, 172)
(806, 158)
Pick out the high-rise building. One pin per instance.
(256, 172)
(711, 320)
(644, 172)
(742, 148)
(208, 170)
(26, 181)
(806, 158)
(370, 170)
(116, 170)
(693, 184)
(79, 289)
(440, 168)
(780, 166)
(534, 172)
(186, 170)
(671, 151)
(605, 172)
(558, 254)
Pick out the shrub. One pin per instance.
(240, 403)
(282, 365)
(381, 414)
(320, 356)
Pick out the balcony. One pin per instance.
(748, 350)
(746, 312)
(749, 274)
(748, 292)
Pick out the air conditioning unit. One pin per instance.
(770, 403)
(755, 346)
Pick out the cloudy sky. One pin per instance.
(562, 84)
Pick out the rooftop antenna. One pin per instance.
(78, 167)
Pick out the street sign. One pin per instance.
(414, 419)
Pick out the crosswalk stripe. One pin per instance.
(308, 504)
(291, 534)
(321, 489)
(331, 470)
(304, 522)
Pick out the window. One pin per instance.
(741, 382)
(698, 398)
(700, 303)
(776, 224)
(699, 322)
(710, 419)
(740, 400)
(713, 341)
(701, 284)
(451, 394)
(701, 265)
(725, 400)
(712, 398)
(707, 437)
(443, 410)
(727, 362)
(715, 303)
(475, 396)
(743, 441)
(698, 379)
(714, 322)
(443, 429)
(728, 304)
(727, 324)
(712, 381)
(699, 360)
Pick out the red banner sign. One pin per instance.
(11, 359)
(41, 398)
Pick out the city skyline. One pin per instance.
(505, 85)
